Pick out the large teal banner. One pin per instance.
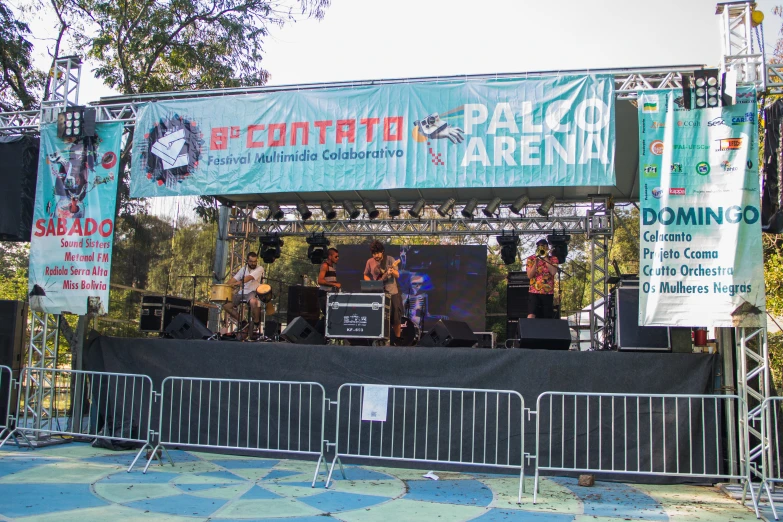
(73, 221)
(700, 251)
(502, 133)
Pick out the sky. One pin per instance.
(370, 39)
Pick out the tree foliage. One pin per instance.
(21, 83)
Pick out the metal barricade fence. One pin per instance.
(771, 457)
(112, 406)
(642, 434)
(474, 427)
(275, 416)
(6, 391)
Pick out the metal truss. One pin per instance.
(600, 221)
(64, 87)
(739, 53)
(42, 353)
(753, 387)
(246, 227)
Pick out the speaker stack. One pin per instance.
(516, 301)
(13, 323)
(303, 302)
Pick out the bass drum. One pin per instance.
(409, 334)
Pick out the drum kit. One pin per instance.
(221, 294)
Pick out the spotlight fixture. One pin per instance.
(445, 208)
(707, 88)
(316, 252)
(304, 212)
(559, 245)
(509, 243)
(415, 210)
(470, 208)
(269, 249)
(275, 212)
(519, 204)
(350, 209)
(76, 122)
(369, 207)
(546, 206)
(491, 209)
(329, 212)
(394, 207)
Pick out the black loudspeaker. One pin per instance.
(19, 158)
(449, 334)
(185, 326)
(271, 328)
(629, 336)
(544, 334)
(303, 302)
(299, 331)
(516, 295)
(13, 323)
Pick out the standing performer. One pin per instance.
(541, 269)
(249, 277)
(381, 267)
(327, 278)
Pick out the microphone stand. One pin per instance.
(194, 278)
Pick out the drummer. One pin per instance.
(247, 278)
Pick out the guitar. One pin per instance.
(394, 266)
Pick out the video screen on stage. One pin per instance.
(436, 281)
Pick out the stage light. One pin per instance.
(304, 212)
(275, 212)
(269, 248)
(316, 252)
(491, 209)
(350, 209)
(558, 244)
(546, 206)
(76, 122)
(415, 210)
(445, 208)
(394, 207)
(707, 88)
(470, 208)
(509, 243)
(369, 207)
(329, 212)
(519, 204)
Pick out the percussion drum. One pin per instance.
(270, 308)
(409, 332)
(264, 292)
(221, 293)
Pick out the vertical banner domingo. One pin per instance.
(700, 238)
(73, 221)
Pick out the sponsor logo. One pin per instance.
(703, 168)
(745, 97)
(749, 117)
(729, 144)
(676, 168)
(691, 147)
(715, 122)
(689, 124)
(677, 191)
(650, 171)
(108, 160)
(650, 103)
(656, 147)
(726, 166)
(658, 125)
(173, 150)
(657, 192)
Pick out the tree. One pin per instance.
(21, 83)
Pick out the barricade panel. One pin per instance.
(648, 434)
(7, 411)
(441, 425)
(772, 456)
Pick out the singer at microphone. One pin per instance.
(541, 269)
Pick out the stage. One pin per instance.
(530, 372)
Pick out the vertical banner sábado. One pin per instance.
(73, 221)
(700, 238)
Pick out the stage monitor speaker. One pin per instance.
(544, 334)
(629, 336)
(299, 331)
(516, 295)
(19, 158)
(303, 302)
(450, 334)
(186, 326)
